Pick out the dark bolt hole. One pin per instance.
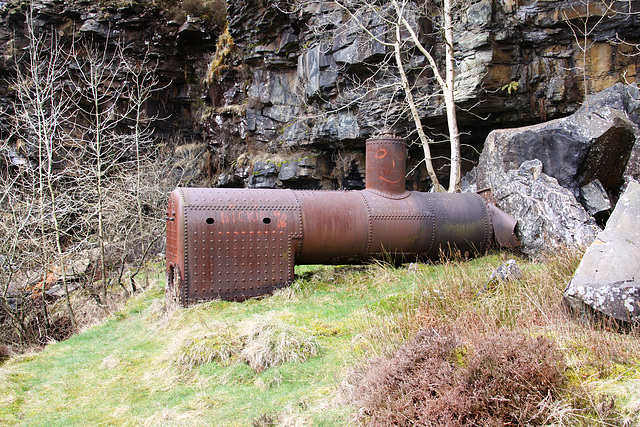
(266, 220)
(210, 221)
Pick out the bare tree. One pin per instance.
(16, 212)
(142, 84)
(41, 113)
(584, 18)
(77, 174)
(120, 158)
(99, 122)
(395, 27)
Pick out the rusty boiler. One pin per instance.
(235, 244)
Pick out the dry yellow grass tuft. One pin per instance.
(270, 341)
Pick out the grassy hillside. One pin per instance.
(290, 358)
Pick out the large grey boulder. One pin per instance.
(591, 154)
(607, 280)
(549, 216)
(591, 144)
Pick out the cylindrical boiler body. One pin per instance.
(239, 243)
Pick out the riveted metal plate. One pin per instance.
(462, 223)
(174, 251)
(240, 243)
(400, 226)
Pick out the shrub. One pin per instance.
(436, 380)
(224, 49)
(262, 342)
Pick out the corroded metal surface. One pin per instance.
(235, 244)
(386, 166)
(504, 225)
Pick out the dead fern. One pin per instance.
(437, 380)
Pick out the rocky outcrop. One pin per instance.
(519, 63)
(607, 281)
(549, 216)
(593, 144)
(287, 86)
(176, 43)
(590, 154)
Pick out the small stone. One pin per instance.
(506, 272)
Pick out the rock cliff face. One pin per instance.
(180, 41)
(275, 114)
(518, 63)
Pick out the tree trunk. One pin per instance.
(449, 100)
(414, 114)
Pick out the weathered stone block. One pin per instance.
(591, 144)
(594, 198)
(608, 277)
(549, 216)
(479, 14)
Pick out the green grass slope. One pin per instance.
(287, 359)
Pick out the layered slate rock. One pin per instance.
(607, 280)
(549, 216)
(517, 63)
